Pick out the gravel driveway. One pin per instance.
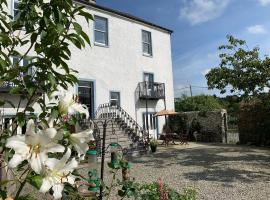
(217, 171)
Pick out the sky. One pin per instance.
(200, 26)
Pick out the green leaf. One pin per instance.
(2, 103)
(20, 117)
(35, 180)
(34, 37)
(77, 27)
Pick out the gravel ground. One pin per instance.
(217, 171)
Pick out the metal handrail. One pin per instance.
(107, 111)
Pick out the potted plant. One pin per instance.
(153, 145)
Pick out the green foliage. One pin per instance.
(34, 180)
(41, 34)
(201, 103)
(231, 104)
(240, 68)
(254, 121)
(45, 29)
(152, 191)
(153, 143)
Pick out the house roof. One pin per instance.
(123, 14)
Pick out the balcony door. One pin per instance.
(86, 95)
(148, 78)
(150, 123)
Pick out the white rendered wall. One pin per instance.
(120, 66)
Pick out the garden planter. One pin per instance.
(153, 148)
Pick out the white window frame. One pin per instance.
(149, 43)
(106, 44)
(13, 7)
(119, 100)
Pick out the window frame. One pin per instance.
(91, 87)
(110, 97)
(152, 121)
(149, 43)
(13, 8)
(106, 44)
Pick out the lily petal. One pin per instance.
(57, 191)
(17, 143)
(54, 148)
(51, 132)
(46, 185)
(69, 167)
(37, 161)
(15, 160)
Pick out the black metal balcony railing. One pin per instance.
(150, 90)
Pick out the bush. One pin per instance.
(154, 191)
(254, 121)
(201, 103)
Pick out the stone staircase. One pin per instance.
(121, 128)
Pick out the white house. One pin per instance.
(129, 64)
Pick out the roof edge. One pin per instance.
(123, 14)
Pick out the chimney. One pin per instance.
(92, 1)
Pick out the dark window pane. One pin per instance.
(146, 48)
(100, 37)
(145, 37)
(15, 60)
(101, 24)
(85, 93)
(115, 98)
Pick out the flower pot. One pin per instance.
(153, 148)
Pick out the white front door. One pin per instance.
(150, 123)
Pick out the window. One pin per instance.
(101, 31)
(147, 43)
(86, 95)
(115, 98)
(148, 77)
(15, 9)
(24, 62)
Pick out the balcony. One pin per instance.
(150, 90)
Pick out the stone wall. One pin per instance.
(212, 125)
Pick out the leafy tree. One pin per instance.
(241, 69)
(197, 103)
(42, 33)
(231, 104)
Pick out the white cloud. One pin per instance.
(264, 2)
(205, 71)
(256, 29)
(199, 11)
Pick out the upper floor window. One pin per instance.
(15, 9)
(147, 43)
(101, 30)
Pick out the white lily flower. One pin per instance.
(33, 147)
(56, 173)
(68, 104)
(80, 140)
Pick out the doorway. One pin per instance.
(86, 95)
